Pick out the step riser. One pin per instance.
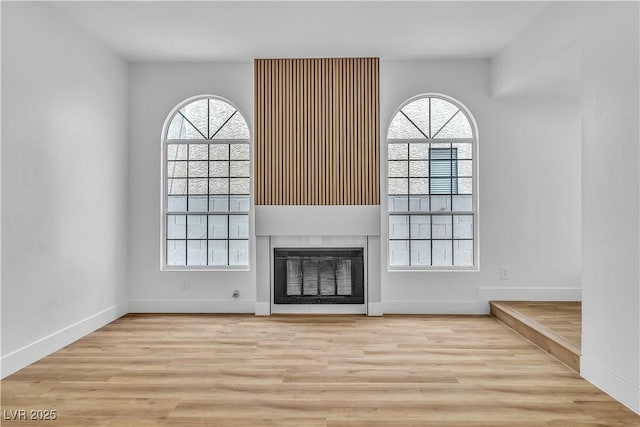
(541, 336)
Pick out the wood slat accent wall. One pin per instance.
(317, 131)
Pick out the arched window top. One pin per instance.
(431, 117)
(207, 118)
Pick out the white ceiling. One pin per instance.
(242, 30)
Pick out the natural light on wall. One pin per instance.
(432, 202)
(206, 191)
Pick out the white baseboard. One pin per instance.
(505, 293)
(35, 351)
(434, 307)
(191, 306)
(263, 308)
(374, 309)
(616, 387)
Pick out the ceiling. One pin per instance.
(242, 30)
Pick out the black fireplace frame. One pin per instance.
(280, 256)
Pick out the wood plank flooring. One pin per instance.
(307, 371)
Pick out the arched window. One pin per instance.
(206, 174)
(432, 146)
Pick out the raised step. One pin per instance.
(545, 338)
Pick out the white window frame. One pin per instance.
(163, 184)
(475, 189)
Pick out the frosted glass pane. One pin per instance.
(398, 204)
(418, 151)
(420, 252)
(196, 252)
(198, 169)
(198, 186)
(239, 203)
(219, 186)
(294, 277)
(196, 227)
(398, 227)
(198, 151)
(218, 203)
(465, 168)
(458, 127)
(441, 226)
(240, 169)
(463, 252)
(398, 186)
(441, 111)
(418, 112)
(198, 203)
(176, 226)
(219, 168)
(441, 254)
(239, 186)
(176, 169)
(182, 129)
(463, 227)
(219, 152)
(464, 150)
(217, 253)
(401, 128)
(420, 227)
(236, 128)
(176, 203)
(238, 226)
(419, 186)
(176, 252)
(239, 252)
(398, 151)
(440, 203)
(398, 253)
(419, 203)
(419, 168)
(398, 168)
(219, 112)
(463, 203)
(177, 152)
(218, 226)
(465, 185)
(176, 186)
(327, 278)
(239, 151)
(310, 277)
(196, 113)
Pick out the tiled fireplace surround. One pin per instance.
(317, 227)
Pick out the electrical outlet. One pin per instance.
(185, 286)
(505, 273)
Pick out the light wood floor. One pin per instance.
(306, 371)
(562, 317)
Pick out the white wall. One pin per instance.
(530, 192)
(611, 180)
(529, 169)
(607, 36)
(64, 184)
(155, 89)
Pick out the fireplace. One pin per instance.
(319, 276)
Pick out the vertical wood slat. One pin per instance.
(317, 131)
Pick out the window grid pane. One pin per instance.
(208, 197)
(430, 188)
